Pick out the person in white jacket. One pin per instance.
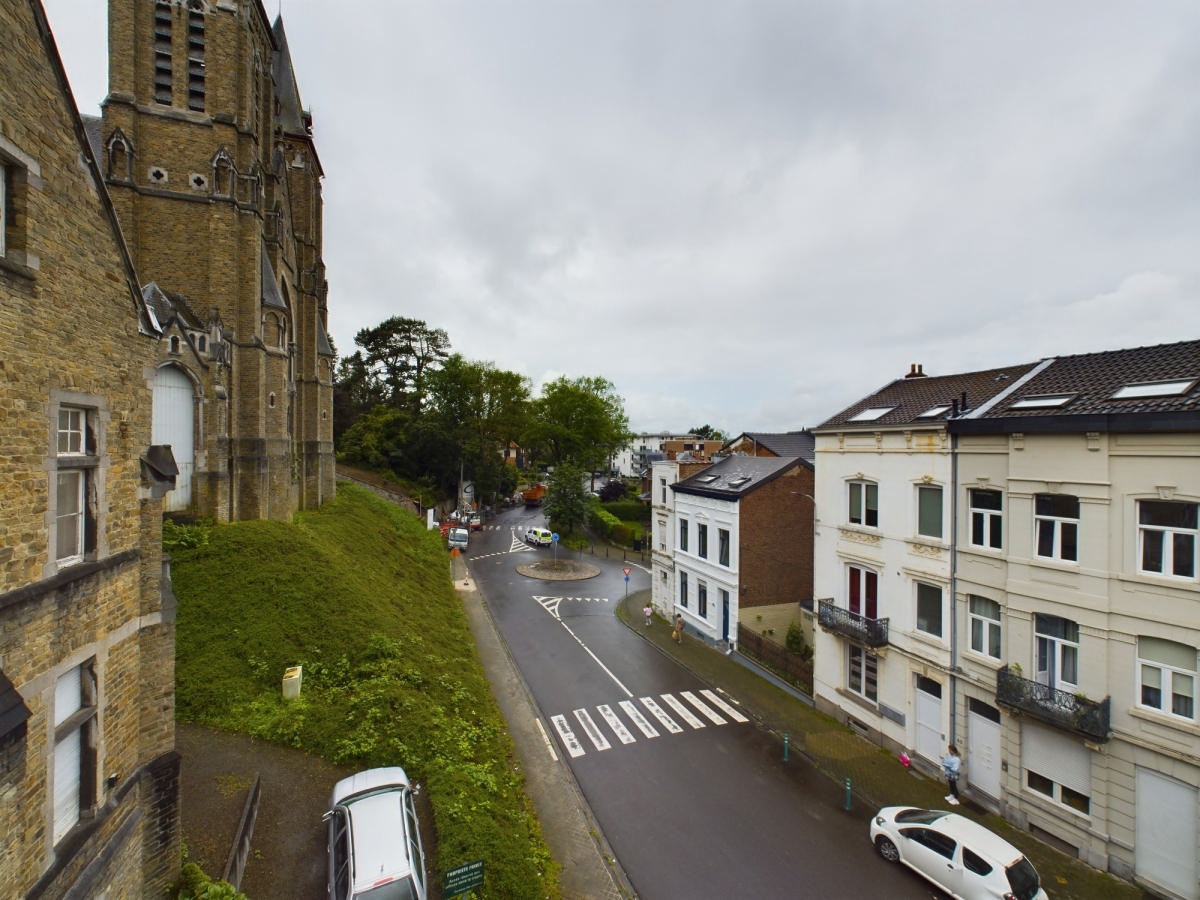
(952, 765)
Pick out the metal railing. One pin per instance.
(1073, 712)
(872, 632)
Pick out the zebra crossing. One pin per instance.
(693, 713)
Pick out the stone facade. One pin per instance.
(88, 773)
(210, 161)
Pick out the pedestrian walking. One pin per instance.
(677, 634)
(647, 611)
(952, 765)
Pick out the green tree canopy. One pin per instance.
(565, 505)
(581, 421)
(708, 433)
(398, 355)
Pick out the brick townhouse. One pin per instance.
(89, 799)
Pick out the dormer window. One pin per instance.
(872, 414)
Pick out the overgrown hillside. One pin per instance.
(359, 594)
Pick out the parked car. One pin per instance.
(957, 854)
(539, 537)
(457, 538)
(374, 841)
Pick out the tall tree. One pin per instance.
(708, 433)
(565, 505)
(400, 353)
(581, 421)
(483, 409)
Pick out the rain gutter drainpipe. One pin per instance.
(954, 669)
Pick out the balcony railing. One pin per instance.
(1070, 711)
(872, 632)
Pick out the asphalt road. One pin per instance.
(704, 806)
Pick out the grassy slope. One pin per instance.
(359, 593)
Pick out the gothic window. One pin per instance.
(223, 174)
(195, 42)
(162, 52)
(120, 157)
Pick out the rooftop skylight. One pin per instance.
(1042, 401)
(1155, 389)
(935, 411)
(707, 479)
(739, 481)
(870, 415)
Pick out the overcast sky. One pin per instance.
(747, 214)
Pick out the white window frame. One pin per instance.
(4, 175)
(683, 535)
(985, 630)
(702, 599)
(1056, 656)
(862, 673)
(73, 761)
(76, 457)
(924, 587)
(724, 552)
(683, 589)
(987, 521)
(1061, 530)
(859, 510)
(1171, 539)
(1167, 662)
(702, 540)
(926, 491)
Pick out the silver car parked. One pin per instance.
(374, 842)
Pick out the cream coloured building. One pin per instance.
(1052, 630)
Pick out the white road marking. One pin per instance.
(659, 713)
(568, 736)
(614, 722)
(726, 708)
(639, 720)
(682, 711)
(546, 740)
(705, 710)
(590, 729)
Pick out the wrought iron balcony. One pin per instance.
(1070, 711)
(872, 632)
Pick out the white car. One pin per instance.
(374, 842)
(539, 537)
(957, 854)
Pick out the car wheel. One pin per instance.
(887, 849)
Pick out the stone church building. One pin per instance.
(208, 155)
(163, 347)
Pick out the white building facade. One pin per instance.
(1065, 586)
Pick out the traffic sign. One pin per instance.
(463, 878)
(554, 537)
(627, 570)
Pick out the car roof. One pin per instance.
(374, 800)
(980, 839)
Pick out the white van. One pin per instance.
(457, 538)
(539, 537)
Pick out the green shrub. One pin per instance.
(627, 510)
(621, 534)
(796, 644)
(602, 521)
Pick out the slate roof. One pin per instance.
(788, 443)
(1085, 387)
(736, 476)
(908, 400)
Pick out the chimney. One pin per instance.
(915, 370)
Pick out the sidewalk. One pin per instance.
(876, 779)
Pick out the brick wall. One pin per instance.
(69, 325)
(775, 528)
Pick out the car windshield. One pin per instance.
(400, 889)
(919, 816)
(1023, 879)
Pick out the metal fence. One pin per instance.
(775, 656)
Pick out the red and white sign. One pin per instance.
(627, 570)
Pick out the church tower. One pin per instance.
(209, 157)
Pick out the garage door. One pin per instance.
(927, 704)
(173, 418)
(983, 748)
(1165, 832)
